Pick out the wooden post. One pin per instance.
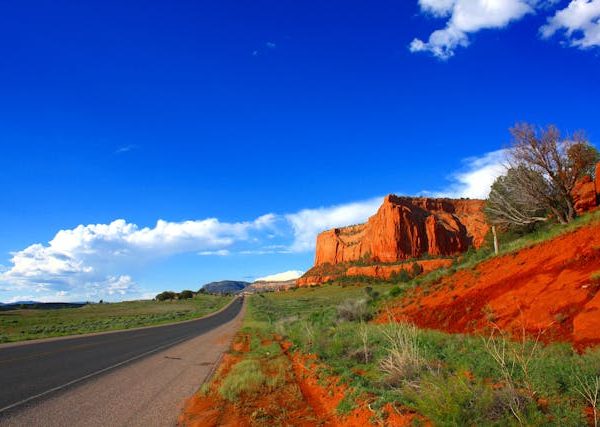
(495, 239)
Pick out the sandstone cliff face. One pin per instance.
(264, 286)
(584, 194)
(406, 227)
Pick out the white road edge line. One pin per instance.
(93, 374)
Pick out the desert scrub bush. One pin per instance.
(401, 276)
(416, 269)
(514, 362)
(354, 310)
(309, 334)
(589, 389)
(403, 362)
(453, 401)
(395, 291)
(372, 295)
(355, 344)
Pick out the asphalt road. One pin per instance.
(38, 370)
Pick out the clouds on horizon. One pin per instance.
(579, 20)
(281, 277)
(95, 261)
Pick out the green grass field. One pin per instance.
(450, 379)
(28, 324)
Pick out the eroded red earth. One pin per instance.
(549, 289)
(307, 398)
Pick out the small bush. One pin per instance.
(395, 291)
(354, 310)
(455, 401)
(166, 295)
(416, 269)
(186, 294)
(372, 294)
(589, 389)
(401, 276)
(403, 362)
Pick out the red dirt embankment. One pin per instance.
(307, 398)
(551, 288)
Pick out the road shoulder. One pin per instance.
(149, 392)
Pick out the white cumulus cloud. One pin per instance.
(475, 178)
(307, 223)
(580, 22)
(88, 260)
(467, 17)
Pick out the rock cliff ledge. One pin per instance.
(404, 228)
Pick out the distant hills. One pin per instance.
(235, 286)
(20, 302)
(270, 285)
(225, 287)
(40, 305)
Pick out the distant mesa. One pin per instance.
(268, 286)
(275, 282)
(224, 287)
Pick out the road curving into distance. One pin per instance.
(33, 372)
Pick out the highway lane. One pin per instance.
(34, 371)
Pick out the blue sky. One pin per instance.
(246, 127)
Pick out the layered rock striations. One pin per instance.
(405, 228)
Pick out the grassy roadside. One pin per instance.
(448, 379)
(364, 373)
(28, 324)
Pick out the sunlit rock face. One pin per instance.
(406, 227)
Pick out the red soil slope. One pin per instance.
(551, 288)
(306, 399)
